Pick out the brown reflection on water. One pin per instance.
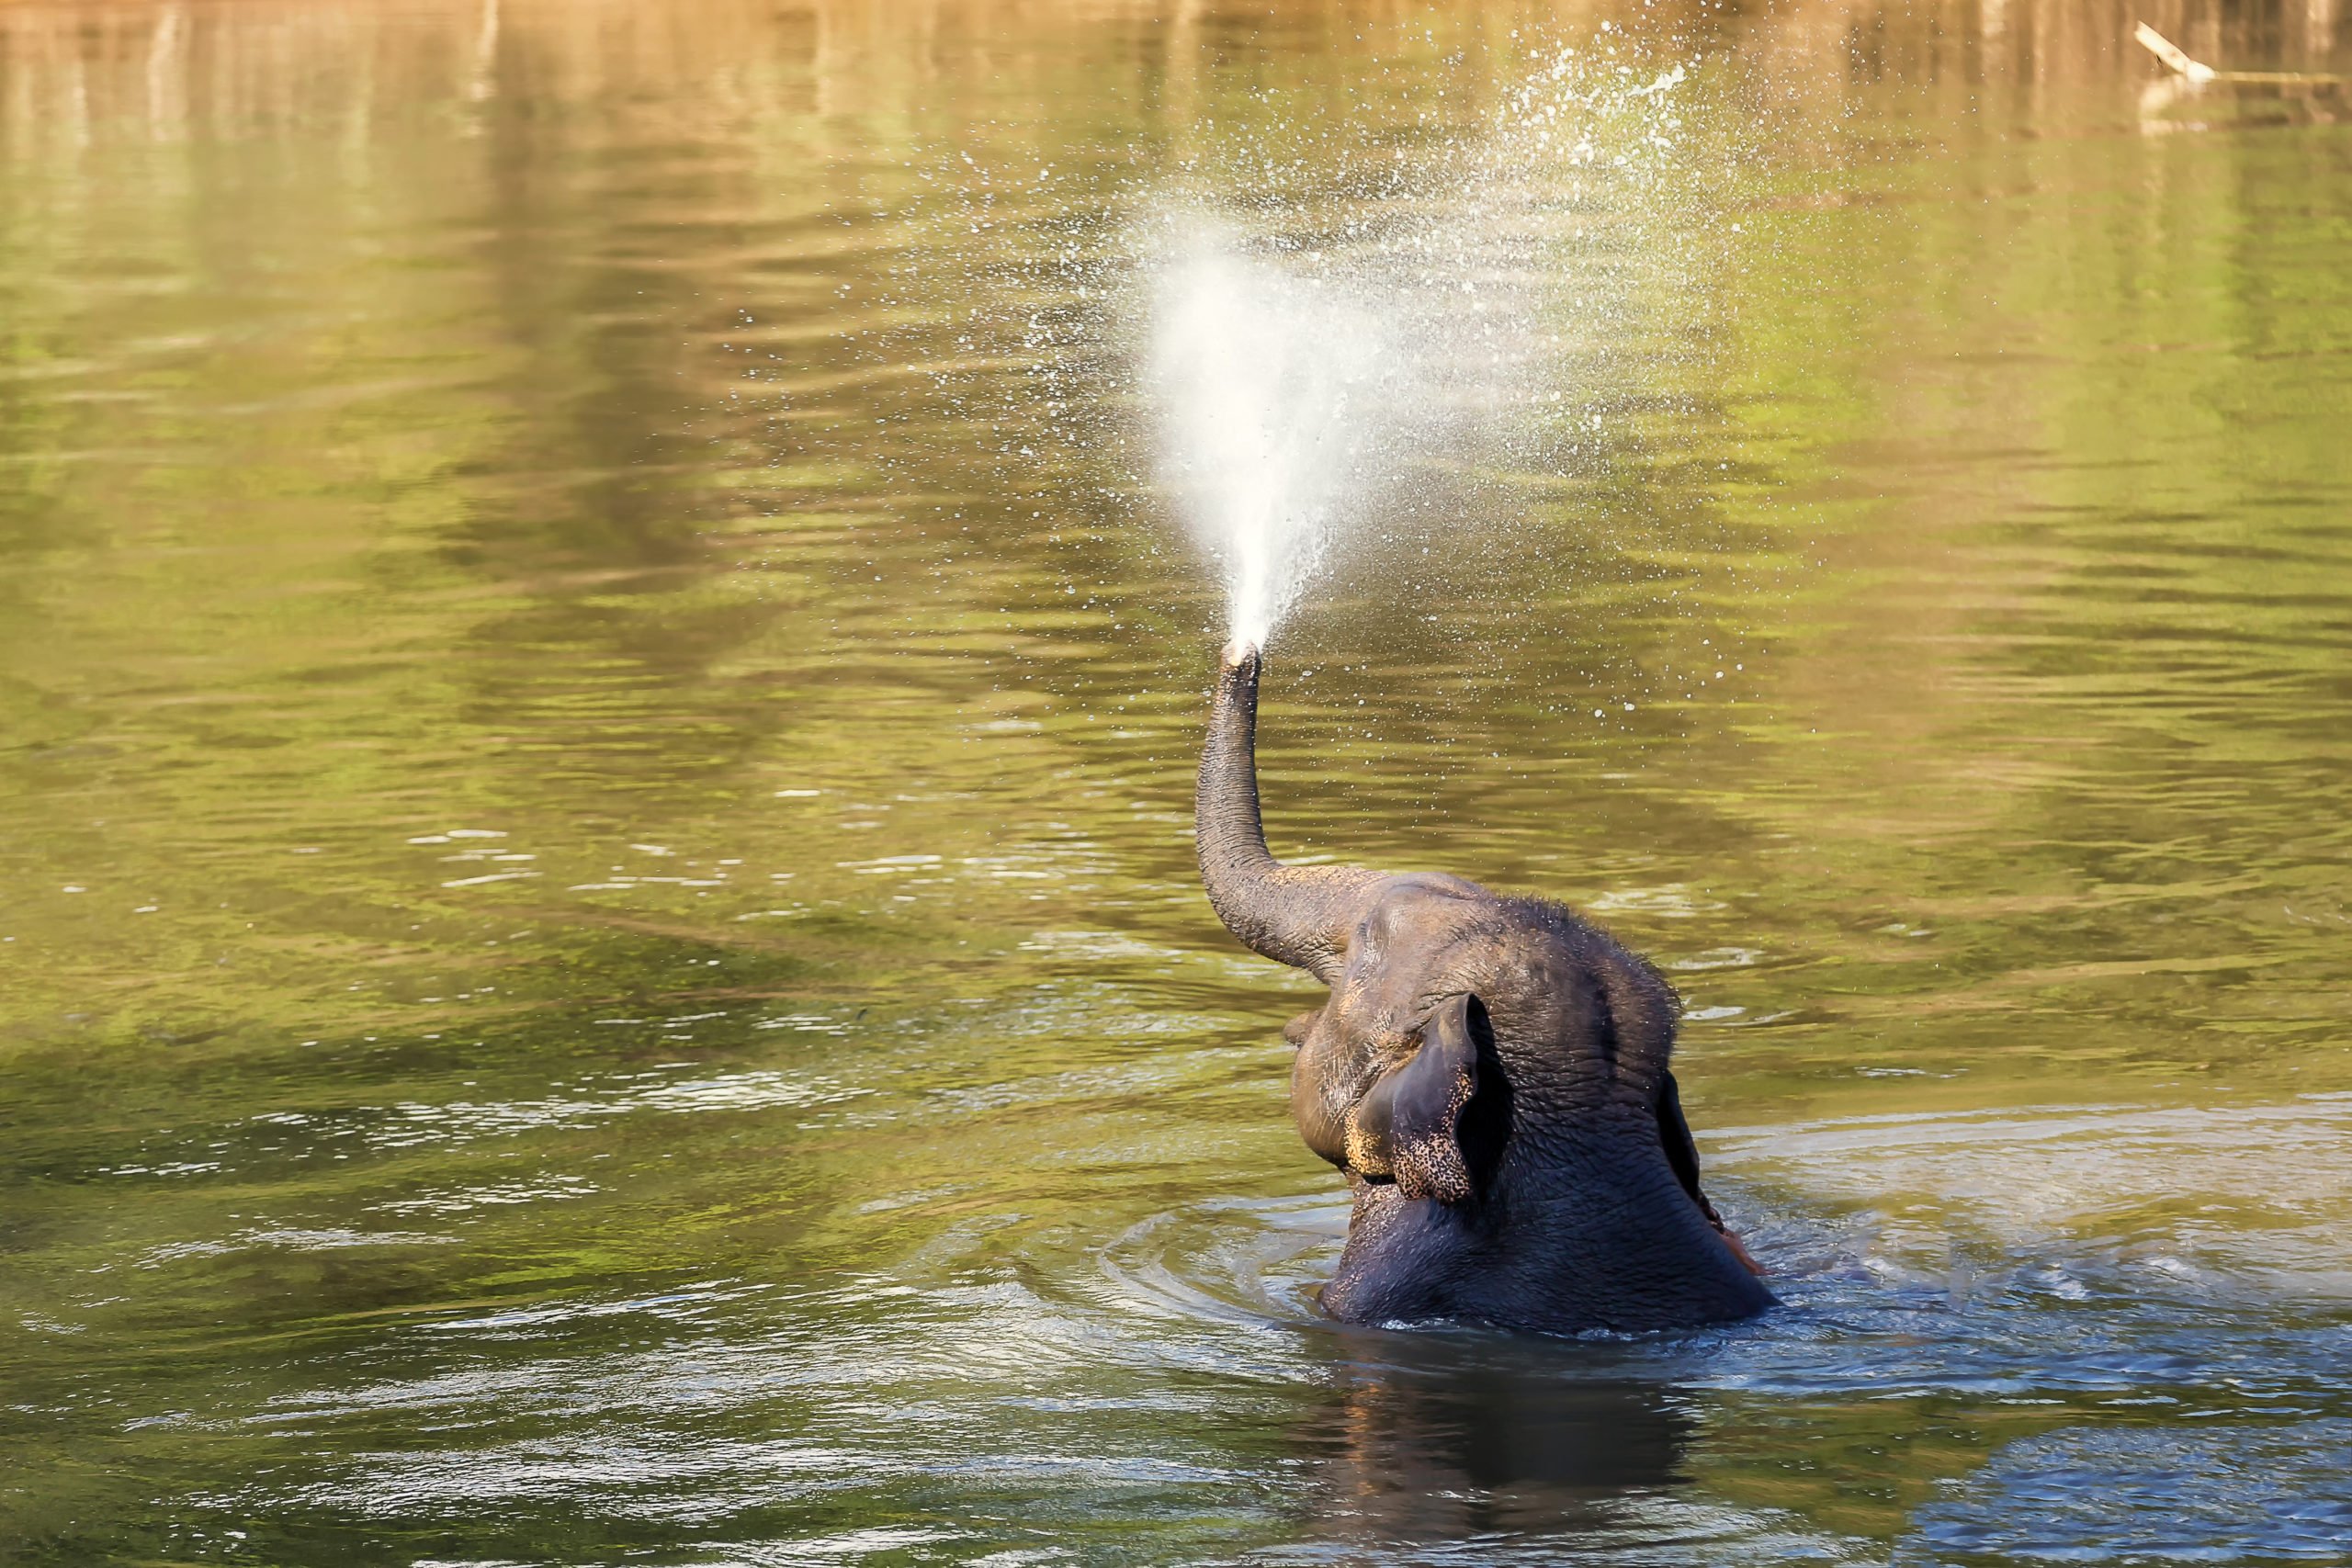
(1432, 1444)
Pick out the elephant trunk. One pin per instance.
(1295, 915)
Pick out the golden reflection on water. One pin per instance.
(598, 706)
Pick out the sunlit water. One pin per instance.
(600, 954)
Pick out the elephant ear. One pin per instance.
(1435, 1122)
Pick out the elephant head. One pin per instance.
(1490, 1072)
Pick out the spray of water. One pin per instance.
(1271, 392)
(1463, 319)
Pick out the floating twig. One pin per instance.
(2196, 71)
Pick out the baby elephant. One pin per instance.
(1490, 1073)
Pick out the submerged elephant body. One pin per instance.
(1491, 1073)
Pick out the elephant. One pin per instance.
(1490, 1074)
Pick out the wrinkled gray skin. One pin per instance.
(1490, 1073)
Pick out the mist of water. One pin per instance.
(1458, 321)
(1270, 390)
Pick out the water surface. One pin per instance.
(600, 955)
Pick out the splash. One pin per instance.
(1268, 388)
(1323, 375)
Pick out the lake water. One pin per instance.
(599, 957)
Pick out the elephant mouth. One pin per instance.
(1682, 1155)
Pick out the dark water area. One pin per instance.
(599, 956)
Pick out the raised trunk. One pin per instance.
(1294, 914)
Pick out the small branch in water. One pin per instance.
(2196, 71)
(2163, 49)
